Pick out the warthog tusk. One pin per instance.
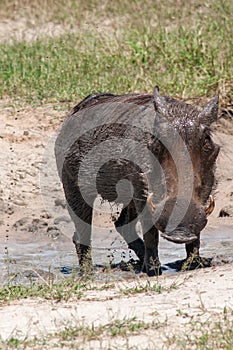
(151, 205)
(209, 208)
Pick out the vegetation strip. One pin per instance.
(73, 287)
(201, 335)
(184, 60)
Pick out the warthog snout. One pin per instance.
(193, 221)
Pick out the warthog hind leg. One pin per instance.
(81, 211)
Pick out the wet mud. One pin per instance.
(40, 256)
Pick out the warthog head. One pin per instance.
(187, 155)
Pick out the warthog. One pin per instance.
(152, 153)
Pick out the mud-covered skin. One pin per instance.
(191, 123)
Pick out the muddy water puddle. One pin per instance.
(37, 257)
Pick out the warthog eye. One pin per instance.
(207, 144)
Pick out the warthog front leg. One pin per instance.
(152, 264)
(193, 248)
(125, 225)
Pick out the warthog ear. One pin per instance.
(160, 102)
(209, 113)
(162, 128)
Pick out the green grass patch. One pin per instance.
(184, 60)
(62, 290)
(200, 336)
(149, 286)
(115, 328)
(76, 336)
(204, 336)
(72, 287)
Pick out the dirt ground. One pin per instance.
(32, 207)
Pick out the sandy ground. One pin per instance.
(32, 206)
(198, 296)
